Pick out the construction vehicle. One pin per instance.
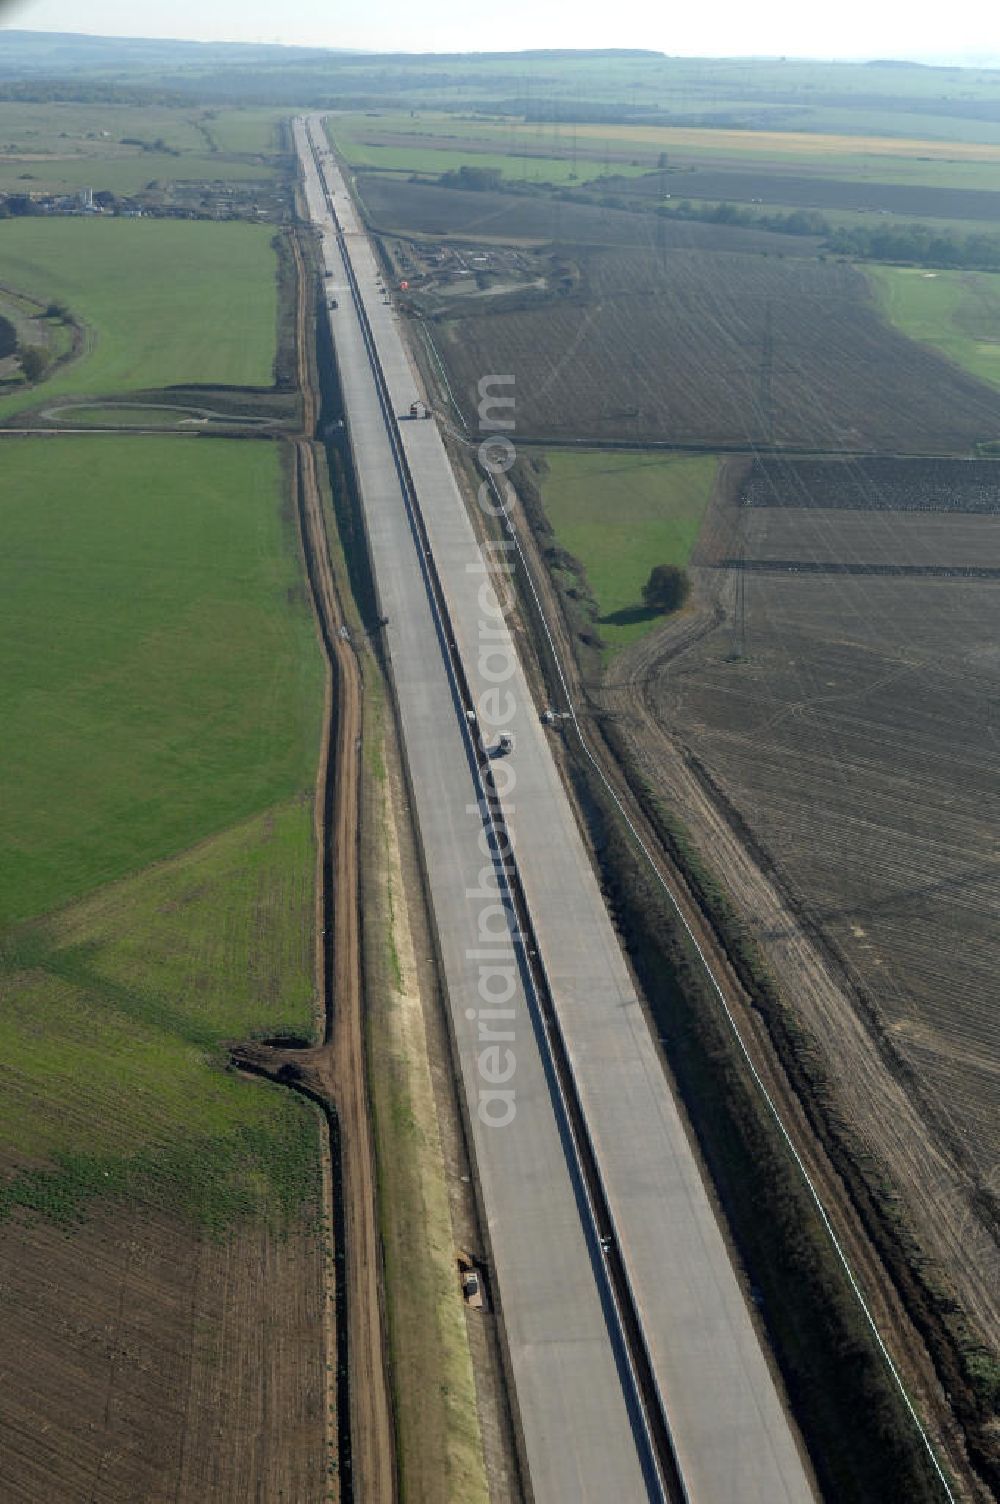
(504, 746)
(471, 1280)
(419, 410)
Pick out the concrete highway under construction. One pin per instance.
(634, 1367)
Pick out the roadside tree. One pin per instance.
(667, 588)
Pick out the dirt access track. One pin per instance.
(334, 1072)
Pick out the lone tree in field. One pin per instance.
(667, 588)
(34, 363)
(8, 339)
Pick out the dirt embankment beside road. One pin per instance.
(333, 1072)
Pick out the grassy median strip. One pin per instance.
(441, 1447)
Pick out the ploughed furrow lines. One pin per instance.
(830, 566)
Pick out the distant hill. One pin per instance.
(602, 85)
(49, 53)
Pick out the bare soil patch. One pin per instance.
(718, 350)
(143, 1361)
(394, 203)
(839, 773)
(949, 486)
(815, 191)
(798, 1311)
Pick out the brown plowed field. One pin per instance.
(840, 777)
(141, 1361)
(718, 349)
(808, 971)
(392, 203)
(815, 191)
(945, 489)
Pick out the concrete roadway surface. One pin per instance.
(576, 1424)
(733, 1441)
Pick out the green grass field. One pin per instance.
(158, 675)
(435, 142)
(119, 415)
(113, 1020)
(244, 130)
(125, 174)
(165, 302)
(619, 513)
(875, 158)
(58, 147)
(471, 144)
(161, 695)
(63, 128)
(956, 312)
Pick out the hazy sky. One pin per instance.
(851, 28)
